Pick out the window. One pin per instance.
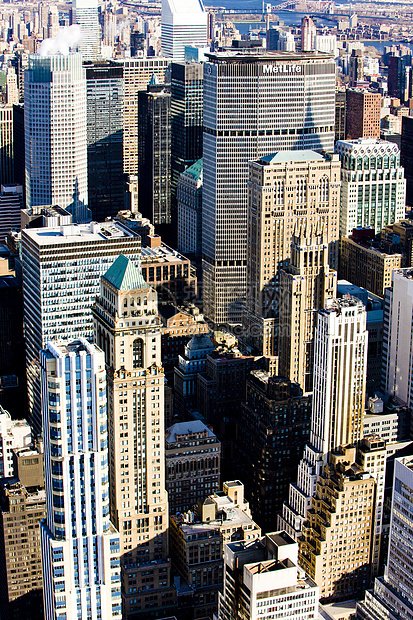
(137, 353)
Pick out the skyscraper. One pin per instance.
(397, 337)
(247, 115)
(85, 13)
(363, 108)
(279, 199)
(308, 32)
(393, 594)
(184, 22)
(80, 546)
(186, 122)
(306, 282)
(128, 328)
(55, 133)
(104, 84)
(373, 187)
(6, 144)
(154, 179)
(61, 274)
(340, 359)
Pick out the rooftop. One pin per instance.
(257, 55)
(124, 275)
(292, 156)
(76, 233)
(186, 428)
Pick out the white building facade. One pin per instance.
(85, 13)
(80, 546)
(254, 105)
(61, 275)
(397, 368)
(373, 187)
(340, 363)
(13, 434)
(56, 133)
(184, 22)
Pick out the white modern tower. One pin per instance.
(80, 546)
(184, 22)
(56, 133)
(85, 13)
(340, 362)
(255, 104)
(397, 366)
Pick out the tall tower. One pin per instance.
(247, 115)
(80, 546)
(340, 361)
(308, 32)
(85, 13)
(305, 284)
(55, 133)
(127, 327)
(184, 22)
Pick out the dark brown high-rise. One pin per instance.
(363, 114)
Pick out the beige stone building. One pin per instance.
(128, 329)
(284, 189)
(305, 284)
(367, 267)
(335, 546)
(23, 506)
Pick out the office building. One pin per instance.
(56, 133)
(399, 78)
(335, 546)
(137, 73)
(340, 127)
(190, 364)
(306, 282)
(186, 123)
(366, 266)
(406, 156)
(279, 198)
(104, 92)
(13, 434)
(232, 138)
(272, 430)
(356, 67)
(363, 109)
(80, 546)
(373, 187)
(340, 358)
(397, 354)
(198, 540)
(189, 210)
(11, 204)
(6, 144)
(85, 13)
(184, 22)
(192, 455)
(180, 325)
(48, 256)
(23, 507)
(308, 32)
(392, 594)
(262, 577)
(154, 178)
(128, 328)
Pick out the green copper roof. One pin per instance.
(124, 276)
(195, 170)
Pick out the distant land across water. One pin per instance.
(289, 19)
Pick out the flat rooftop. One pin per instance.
(76, 233)
(257, 54)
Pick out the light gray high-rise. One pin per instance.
(254, 105)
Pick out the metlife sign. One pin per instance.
(281, 69)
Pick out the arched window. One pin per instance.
(324, 189)
(137, 353)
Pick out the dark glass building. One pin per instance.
(406, 156)
(272, 430)
(186, 123)
(154, 179)
(105, 139)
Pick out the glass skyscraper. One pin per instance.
(254, 105)
(80, 546)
